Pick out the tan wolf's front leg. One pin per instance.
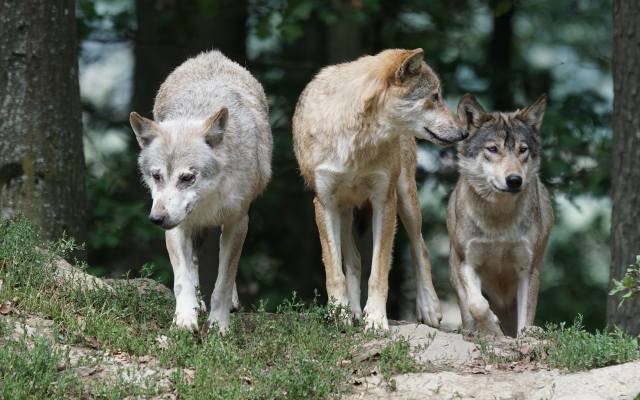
(352, 263)
(231, 242)
(383, 227)
(328, 221)
(427, 302)
(185, 277)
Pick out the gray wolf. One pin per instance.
(354, 131)
(499, 217)
(205, 157)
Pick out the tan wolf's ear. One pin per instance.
(145, 129)
(410, 65)
(470, 112)
(215, 126)
(532, 114)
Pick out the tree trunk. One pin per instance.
(41, 153)
(625, 228)
(500, 55)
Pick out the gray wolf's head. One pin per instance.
(179, 163)
(502, 154)
(413, 100)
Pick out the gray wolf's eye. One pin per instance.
(492, 149)
(435, 98)
(523, 149)
(187, 178)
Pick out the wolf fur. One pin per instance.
(499, 217)
(205, 157)
(353, 130)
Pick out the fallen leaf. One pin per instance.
(247, 380)
(93, 342)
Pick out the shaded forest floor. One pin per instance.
(66, 334)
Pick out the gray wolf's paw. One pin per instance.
(428, 311)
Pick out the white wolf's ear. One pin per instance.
(470, 112)
(145, 129)
(215, 126)
(410, 65)
(532, 114)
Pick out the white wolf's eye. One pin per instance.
(156, 176)
(187, 178)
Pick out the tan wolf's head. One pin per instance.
(502, 154)
(179, 162)
(408, 95)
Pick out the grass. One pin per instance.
(573, 348)
(300, 352)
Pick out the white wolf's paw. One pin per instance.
(428, 311)
(375, 318)
(220, 319)
(186, 320)
(235, 300)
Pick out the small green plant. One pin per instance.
(573, 348)
(629, 286)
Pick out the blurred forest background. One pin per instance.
(505, 52)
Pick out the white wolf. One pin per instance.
(205, 158)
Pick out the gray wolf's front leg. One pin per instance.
(185, 277)
(231, 242)
(485, 320)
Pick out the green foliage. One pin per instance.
(30, 371)
(573, 348)
(629, 286)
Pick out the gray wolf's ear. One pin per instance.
(532, 114)
(215, 126)
(410, 65)
(470, 112)
(145, 129)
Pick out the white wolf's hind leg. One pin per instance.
(185, 277)
(231, 242)
(235, 299)
(352, 264)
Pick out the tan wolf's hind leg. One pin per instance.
(328, 221)
(231, 242)
(427, 302)
(383, 228)
(351, 261)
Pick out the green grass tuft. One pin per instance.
(573, 348)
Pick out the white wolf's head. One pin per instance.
(179, 163)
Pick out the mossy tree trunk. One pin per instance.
(41, 155)
(625, 177)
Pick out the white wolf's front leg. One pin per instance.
(185, 277)
(231, 241)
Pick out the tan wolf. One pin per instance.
(354, 133)
(205, 158)
(499, 217)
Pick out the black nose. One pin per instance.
(156, 219)
(464, 134)
(514, 181)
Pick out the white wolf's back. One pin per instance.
(205, 83)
